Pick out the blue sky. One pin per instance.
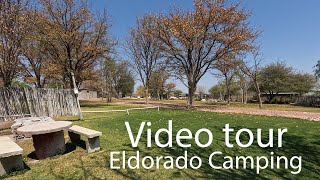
(291, 28)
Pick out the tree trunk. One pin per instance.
(229, 95)
(271, 96)
(102, 94)
(71, 82)
(242, 95)
(6, 83)
(39, 83)
(109, 98)
(158, 95)
(147, 95)
(245, 97)
(191, 92)
(258, 94)
(228, 88)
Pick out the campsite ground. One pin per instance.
(302, 139)
(276, 110)
(280, 107)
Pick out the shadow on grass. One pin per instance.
(93, 104)
(69, 148)
(14, 172)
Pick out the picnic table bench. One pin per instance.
(10, 156)
(93, 142)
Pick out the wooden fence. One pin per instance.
(20, 102)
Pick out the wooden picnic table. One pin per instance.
(48, 137)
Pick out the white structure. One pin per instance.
(87, 94)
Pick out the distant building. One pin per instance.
(87, 94)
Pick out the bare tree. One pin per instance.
(35, 59)
(244, 83)
(193, 41)
(144, 50)
(227, 67)
(13, 23)
(201, 90)
(252, 69)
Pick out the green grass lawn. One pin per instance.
(302, 139)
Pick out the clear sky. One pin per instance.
(291, 28)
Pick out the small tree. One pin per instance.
(144, 50)
(158, 81)
(302, 83)
(251, 67)
(169, 89)
(140, 91)
(126, 86)
(217, 91)
(317, 70)
(220, 90)
(201, 90)
(227, 67)
(279, 77)
(276, 78)
(177, 93)
(244, 85)
(117, 77)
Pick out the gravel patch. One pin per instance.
(264, 112)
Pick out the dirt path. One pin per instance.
(264, 112)
(250, 111)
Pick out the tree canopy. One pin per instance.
(193, 40)
(278, 78)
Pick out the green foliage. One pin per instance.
(177, 93)
(302, 83)
(118, 77)
(278, 77)
(317, 70)
(216, 89)
(221, 89)
(17, 83)
(127, 85)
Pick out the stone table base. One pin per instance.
(50, 144)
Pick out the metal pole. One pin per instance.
(76, 92)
